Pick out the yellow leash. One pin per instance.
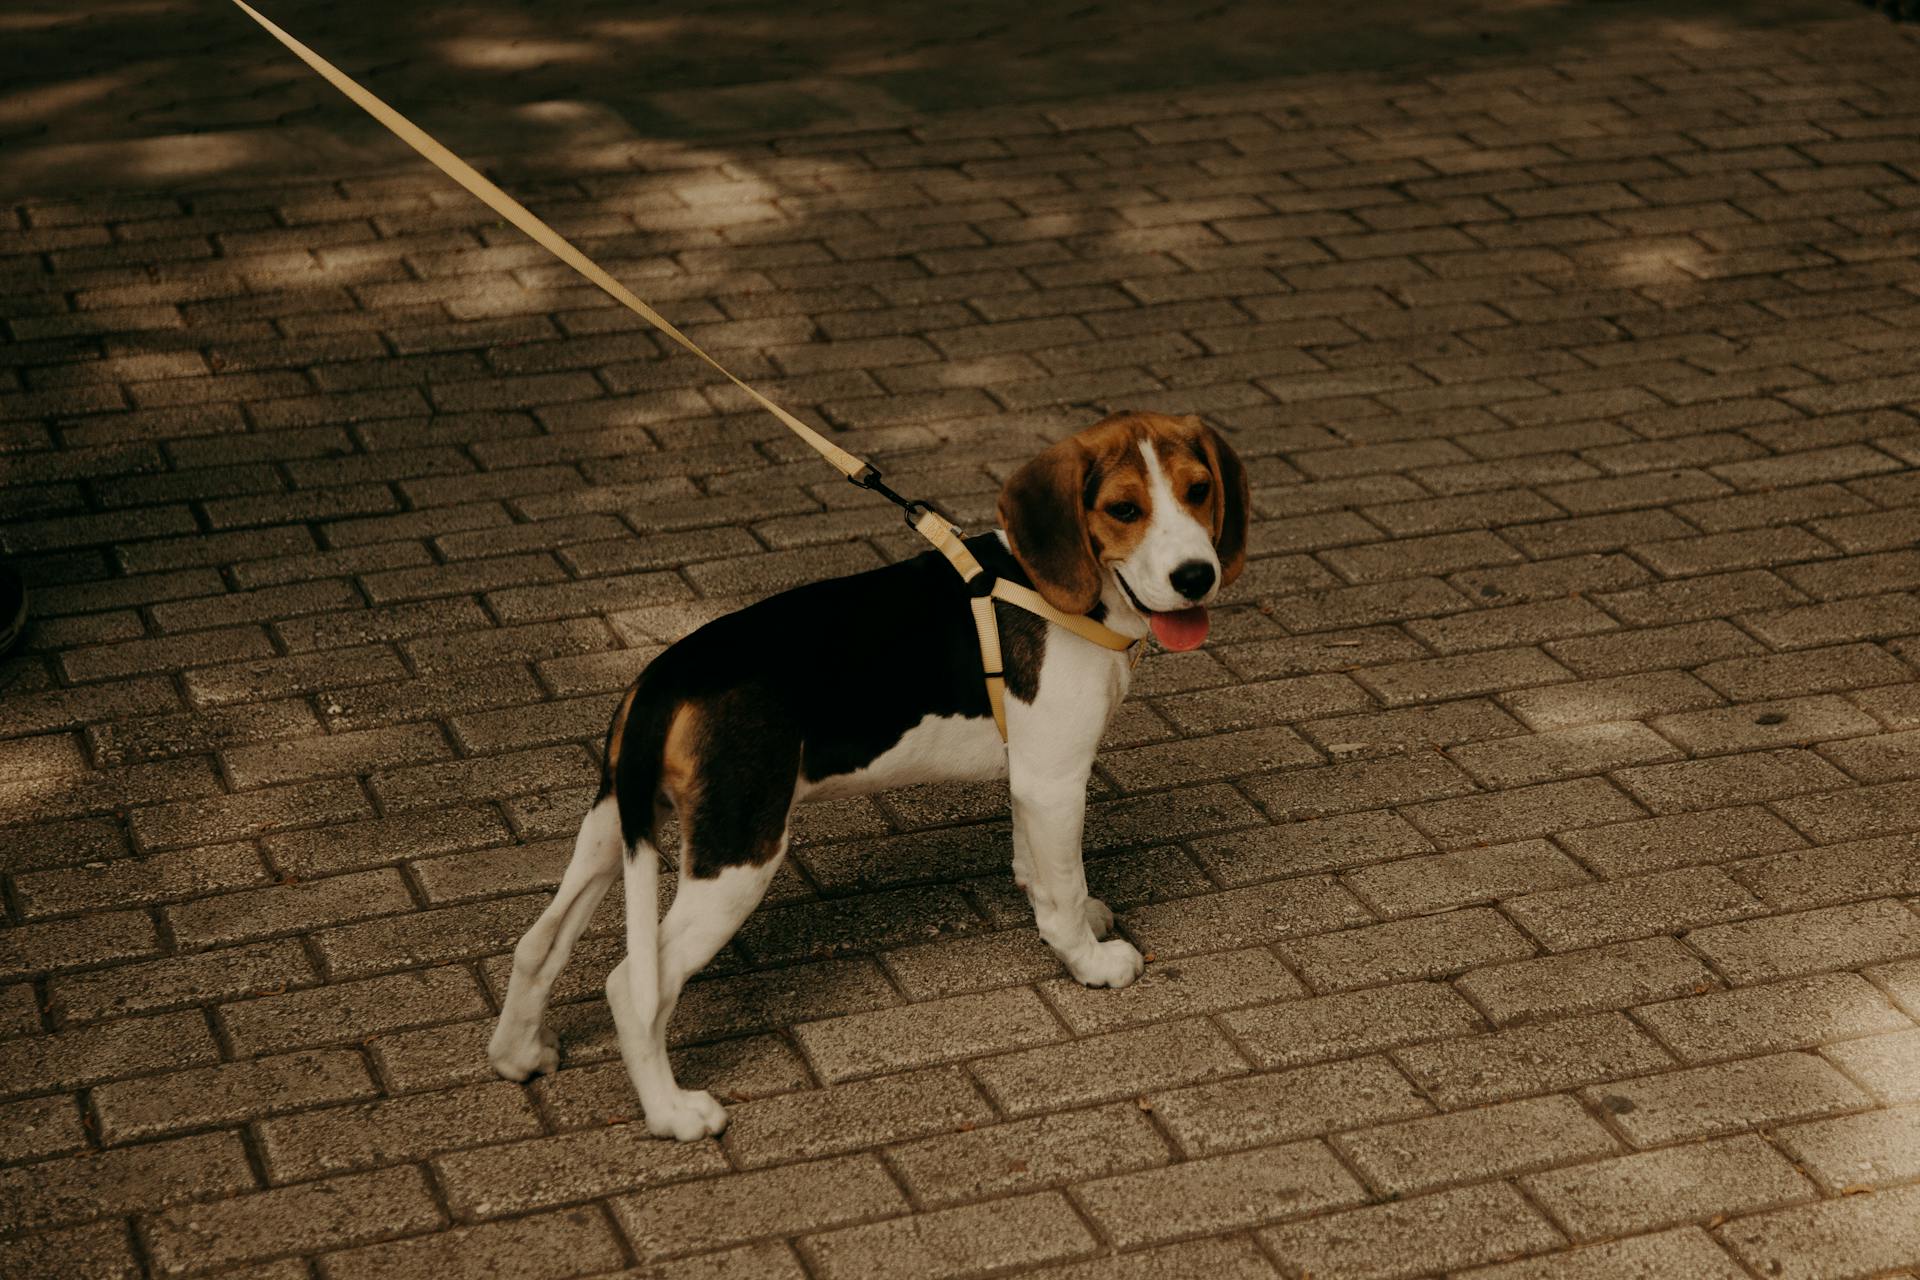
(929, 523)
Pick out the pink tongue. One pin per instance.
(1186, 629)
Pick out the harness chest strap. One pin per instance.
(930, 525)
(946, 540)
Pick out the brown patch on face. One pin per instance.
(1058, 511)
(1118, 499)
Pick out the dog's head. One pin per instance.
(1154, 504)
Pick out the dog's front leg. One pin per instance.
(1049, 815)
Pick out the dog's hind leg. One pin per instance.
(645, 987)
(521, 1046)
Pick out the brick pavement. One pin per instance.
(1530, 864)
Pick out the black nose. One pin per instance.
(1192, 579)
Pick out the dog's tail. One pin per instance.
(635, 758)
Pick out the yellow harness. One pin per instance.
(929, 523)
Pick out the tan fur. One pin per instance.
(618, 733)
(680, 758)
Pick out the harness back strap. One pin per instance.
(933, 527)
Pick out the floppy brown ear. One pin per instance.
(1044, 511)
(1230, 513)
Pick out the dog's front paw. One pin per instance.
(519, 1059)
(1109, 964)
(686, 1116)
(1099, 917)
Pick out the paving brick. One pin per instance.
(1863, 618)
(168, 653)
(1684, 839)
(1219, 1193)
(1653, 649)
(1425, 947)
(1518, 625)
(1843, 937)
(1611, 977)
(41, 1127)
(1419, 886)
(313, 1216)
(1263, 1109)
(1389, 732)
(101, 938)
(1837, 873)
(1664, 1188)
(1119, 1064)
(162, 877)
(959, 965)
(1027, 1155)
(483, 778)
(230, 1092)
(955, 1242)
(1538, 1058)
(1881, 758)
(1440, 678)
(301, 673)
(1857, 1150)
(1296, 848)
(132, 1179)
(1621, 698)
(242, 816)
(1230, 1258)
(848, 1117)
(1560, 753)
(1884, 1065)
(101, 1250)
(1367, 605)
(714, 1212)
(1524, 813)
(1766, 724)
(1194, 759)
(353, 846)
(289, 908)
(341, 1139)
(1641, 906)
(350, 1011)
(1730, 780)
(1254, 916)
(523, 1247)
(1339, 1026)
(1358, 785)
(1708, 1101)
(1472, 1146)
(778, 998)
(1452, 1229)
(1270, 702)
(264, 764)
(1859, 1235)
(178, 981)
(1800, 1013)
(1668, 1255)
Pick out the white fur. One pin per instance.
(938, 749)
(1174, 537)
(1047, 762)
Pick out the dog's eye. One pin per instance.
(1197, 491)
(1124, 512)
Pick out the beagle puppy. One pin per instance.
(873, 681)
